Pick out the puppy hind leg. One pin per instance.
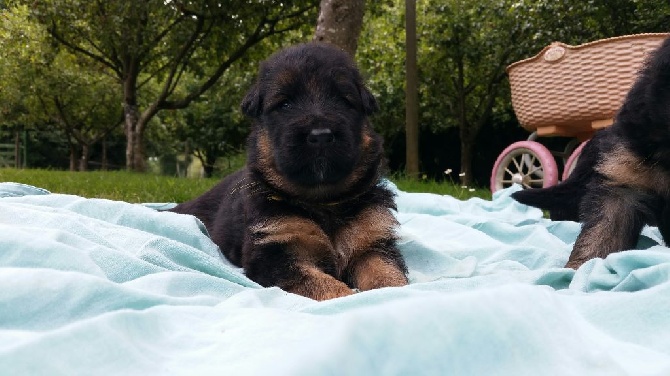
(612, 222)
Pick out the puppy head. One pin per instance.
(310, 108)
(319, 60)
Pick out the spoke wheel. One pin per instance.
(526, 163)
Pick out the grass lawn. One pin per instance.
(134, 187)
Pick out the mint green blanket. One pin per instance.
(98, 287)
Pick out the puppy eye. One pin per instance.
(350, 101)
(285, 105)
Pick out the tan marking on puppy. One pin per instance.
(364, 164)
(315, 284)
(373, 271)
(267, 164)
(365, 144)
(358, 235)
(302, 237)
(625, 168)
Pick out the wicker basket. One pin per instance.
(569, 90)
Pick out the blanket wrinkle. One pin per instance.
(108, 287)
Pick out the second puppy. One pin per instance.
(622, 179)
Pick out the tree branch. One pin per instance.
(159, 37)
(255, 37)
(179, 60)
(184, 102)
(99, 58)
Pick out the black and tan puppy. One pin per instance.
(308, 212)
(622, 179)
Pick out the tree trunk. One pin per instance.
(134, 123)
(139, 156)
(83, 161)
(104, 166)
(208, 165)
(467, 152)
(73, 158)
(132, 136)
(134, 129)
(340, 23)
(208, 170)
(411, 94)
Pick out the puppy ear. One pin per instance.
(252, 102)
(370, 105)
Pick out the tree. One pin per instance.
(138, 42)
(45, 88)
(82, 106)
(340, 23)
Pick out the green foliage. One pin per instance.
(47, 88)
(21, 46)
(116, 31)
(164, 54)
(381, 57)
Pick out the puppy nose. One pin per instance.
(320, 137)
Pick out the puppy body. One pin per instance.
(622, 179)
(308, 212)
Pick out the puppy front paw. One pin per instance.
(315, 284)
(374, 271)
(321, 293)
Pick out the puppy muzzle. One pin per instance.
(320, 137)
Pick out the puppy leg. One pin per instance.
(295, 254)
(312, 282)
(368, 243)
(374, 270)
(611, 222)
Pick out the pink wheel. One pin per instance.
(527, 163)
(572, 161)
